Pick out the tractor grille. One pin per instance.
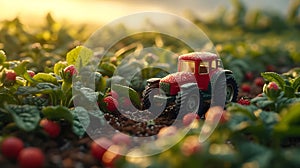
(165, 87)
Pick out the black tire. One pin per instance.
(231, 89)
(189, 101)
(148, 95)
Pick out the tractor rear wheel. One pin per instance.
(231, 89)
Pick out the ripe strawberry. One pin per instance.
(110, 157)
(10, 75)
(243, 101)
(190, 145)
(167, 131)
(270, 68)
(111, 104)
(189, 118)
(114, 94)
(121, 139)
(246, 87)
(31, 73)
(216, 114)
(99, 147)
(11, 147)
(31, 157)
(249, 76)
(50, 127)
(259, 81)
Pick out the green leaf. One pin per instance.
(45, 77)
(296, 84)
(81, 121)
(107, 69)
(245, 110)
(274, 77)
(58, 113)
(291, 116)
(59, 66)
(21, 69)
(2, 57)
(39, 88)
(26, 117)
(251, 152)
(125, 91)
(79, 56)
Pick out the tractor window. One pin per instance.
(214, 64)
(187, 66)
(203, 67)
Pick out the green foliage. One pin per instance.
(58, 113)
(79, 56)
(26, 117)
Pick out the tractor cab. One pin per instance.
(202, 66)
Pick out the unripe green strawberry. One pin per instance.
(272, 90)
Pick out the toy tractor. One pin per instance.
(200, 80)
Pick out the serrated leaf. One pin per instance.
(125, 91)
(26, 117)
(81, 121)
(79, 56)
(58, 113)
(296, 84)
(45, 77)
(274, 77)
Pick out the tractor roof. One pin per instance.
(199, 56)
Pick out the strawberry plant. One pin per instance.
(46, 81)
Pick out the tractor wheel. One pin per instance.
(231, 89)
(148, 95)
(189, 102)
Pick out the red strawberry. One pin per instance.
(50, 127)
(31, 73)
(111, 103)
(190, 145)
(11, 147)
(70, 70)
(120, 138)
(114, 94)
(246, 88)
(31, 158)
(249, 75)
(272, 90)
(259, 81)
(10, 75)
(217, 114)
(189, 118)
(270, 68)
(99, 147)
(167, 131)
(243, 101)
(111, 156)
